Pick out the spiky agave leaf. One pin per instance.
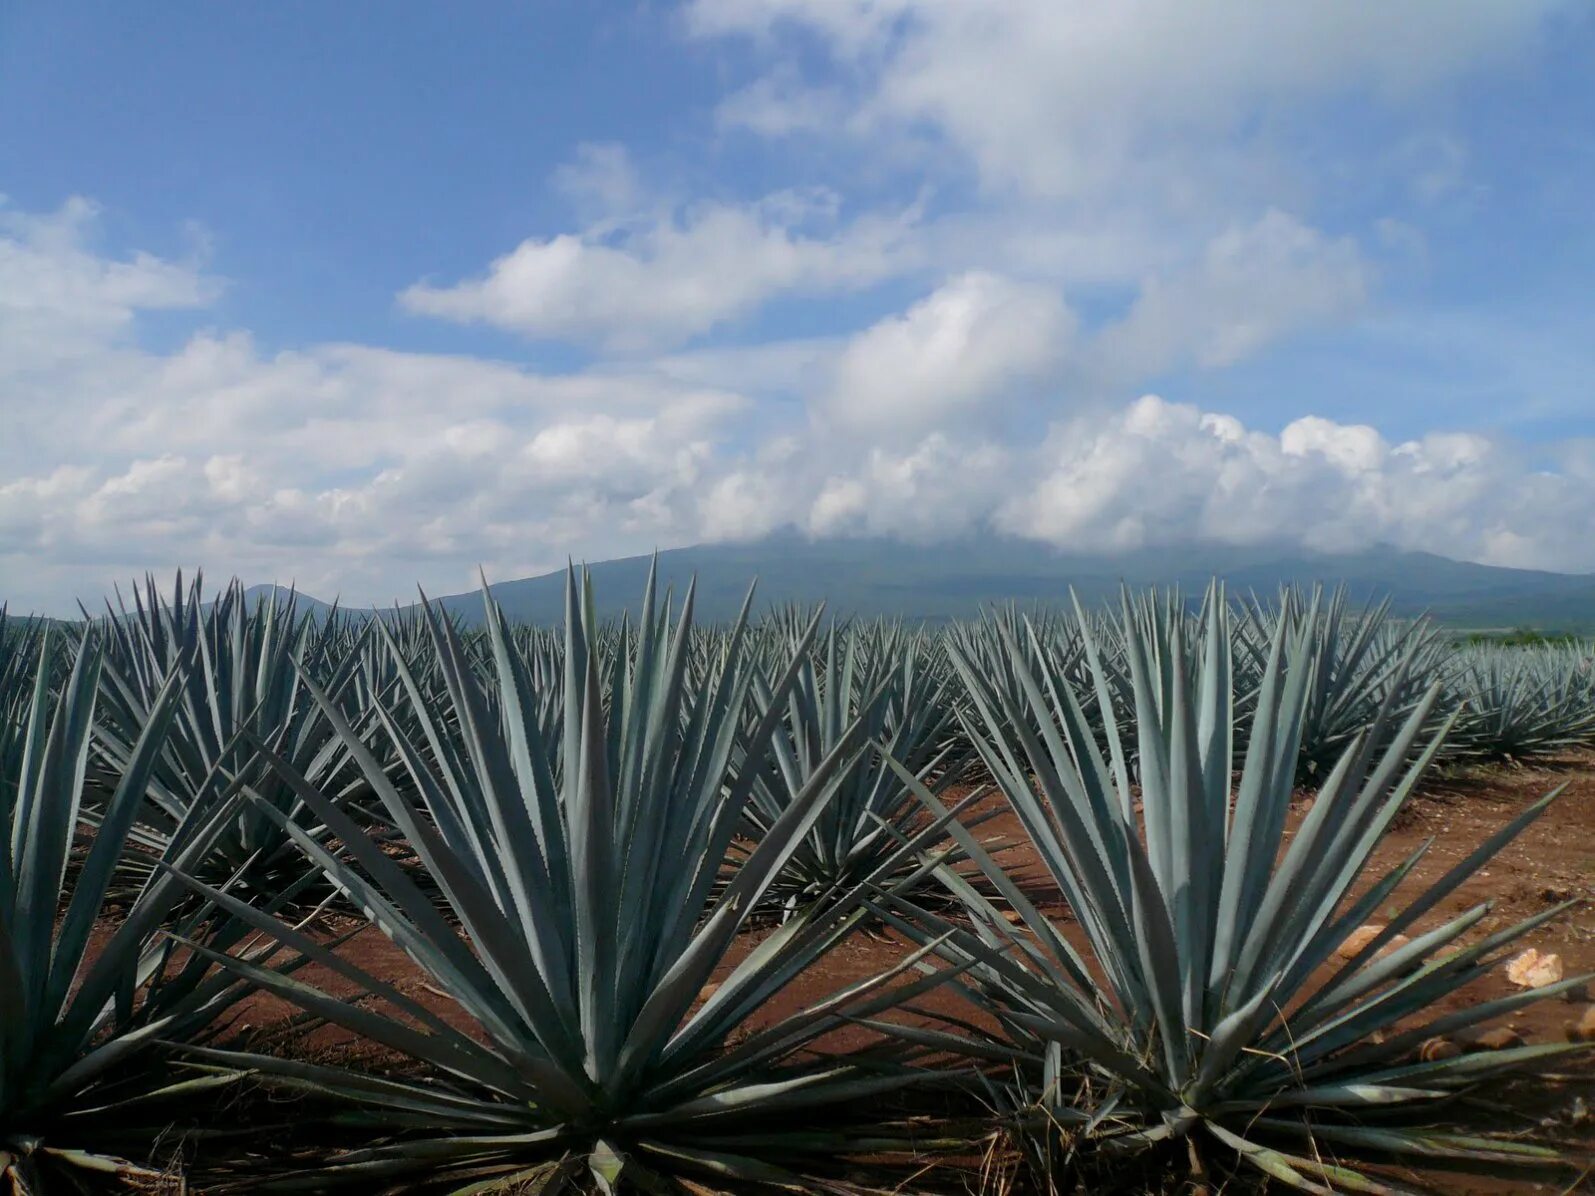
(1199, 1007)
(1519, 702)
(82, 1022)
(1360, 661)
(240, 666)
(593, 916)
(874, 681)
(22, 657)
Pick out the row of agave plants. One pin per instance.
(567, 835)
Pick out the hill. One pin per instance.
(303, 602)
(954, 580)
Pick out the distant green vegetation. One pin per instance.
(1527, 637)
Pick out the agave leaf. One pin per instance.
(83, 1036)
(581, 962)
(1208, 927)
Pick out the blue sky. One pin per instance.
(364, 294)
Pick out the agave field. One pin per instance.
(1061, 900)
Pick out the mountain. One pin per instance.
(303, 602)
(954, 580)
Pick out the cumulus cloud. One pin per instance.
(1154, 472)
(665, 279)
(1063, 97)
(977, 338)
(941, 487)
(1252, 285)
(336, 465)
(58, 296)
(1002, 222)
(1161, 472)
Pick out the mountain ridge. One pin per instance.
(935, 582)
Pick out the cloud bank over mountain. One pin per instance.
(1031, 243)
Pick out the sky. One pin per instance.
(369, 294)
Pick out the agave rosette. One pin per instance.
(1362, 661)
(875, 683)
(242, 682)
(84, 1018)
(593, 910)
(1519, 702)
(1209, 1001)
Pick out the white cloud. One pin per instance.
(364, 501)
(942, 487)
(976, 340)
(1162, 472)
(57, 295)
(336, 465)
(1065, 97)
(1153, 161)
(853, 25)
(1165, 166)
(782, 103)
(937, 486)
(666, 279)
(1251, 285)
(601, 181)
(47, 265)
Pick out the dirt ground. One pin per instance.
(1550, 863)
